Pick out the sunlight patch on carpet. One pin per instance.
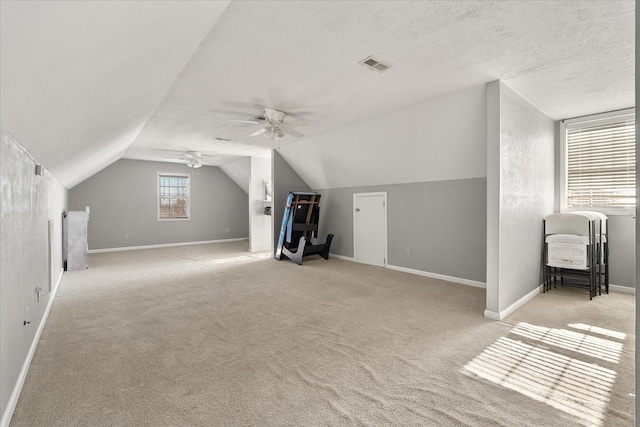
(598, 330)
(570, 340)
(236, 259)
(576, 387)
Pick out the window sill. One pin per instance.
(606, 211)
(173, 219)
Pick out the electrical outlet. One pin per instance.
(407, 252)
(226, 230)
(126, 235)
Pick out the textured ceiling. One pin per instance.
(567, 58)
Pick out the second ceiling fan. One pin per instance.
(274, 125)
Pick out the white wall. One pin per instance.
(441, 139)
(28, 203)
(520, 193)
(239, 171)
(637, 229)
(260, 234)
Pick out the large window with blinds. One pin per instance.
(600, 162)
(173, 197)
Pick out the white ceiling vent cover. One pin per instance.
(374, 64)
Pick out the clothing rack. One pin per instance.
(299, 226)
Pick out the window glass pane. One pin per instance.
(173, 193)
(601, 169)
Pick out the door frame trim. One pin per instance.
(386, 240)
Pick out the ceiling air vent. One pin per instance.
(374, 64)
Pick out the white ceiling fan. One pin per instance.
(193, 159)
(274, 125)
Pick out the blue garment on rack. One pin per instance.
(290, 226)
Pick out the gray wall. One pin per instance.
(520, 193)
(28, 203)
(443, 223)
(622, 250)
(122, 198)
(284, 179)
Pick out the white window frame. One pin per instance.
(597, 119)
(179, 175)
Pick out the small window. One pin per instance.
(599, 165)
(174, 201)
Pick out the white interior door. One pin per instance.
(370, 228)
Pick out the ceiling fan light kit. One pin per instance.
(274, 126)
(194, 163)
(273, 132)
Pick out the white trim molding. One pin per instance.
(503, 314)
(342, 257)
(17, 389)
(438, 276)
(164, 245)
(622, 289)
(265, 249)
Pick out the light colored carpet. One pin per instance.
(215, 336)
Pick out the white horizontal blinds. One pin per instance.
(174, 196)
(601, 164)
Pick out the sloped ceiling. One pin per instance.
(79, 79)
(88, 80)
(239, 171)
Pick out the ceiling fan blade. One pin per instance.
(170, 151)
(259, 132)
(290, 131)
(243, 121)
(238, 104)
(299, 114)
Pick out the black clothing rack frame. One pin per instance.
(299, 225)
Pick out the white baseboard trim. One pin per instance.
(267, 249)
(438, 276)
(17, 389)
(513, 307)
(622, 289)
(164, 245)
(342, 257)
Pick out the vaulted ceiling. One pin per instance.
(86, 83)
